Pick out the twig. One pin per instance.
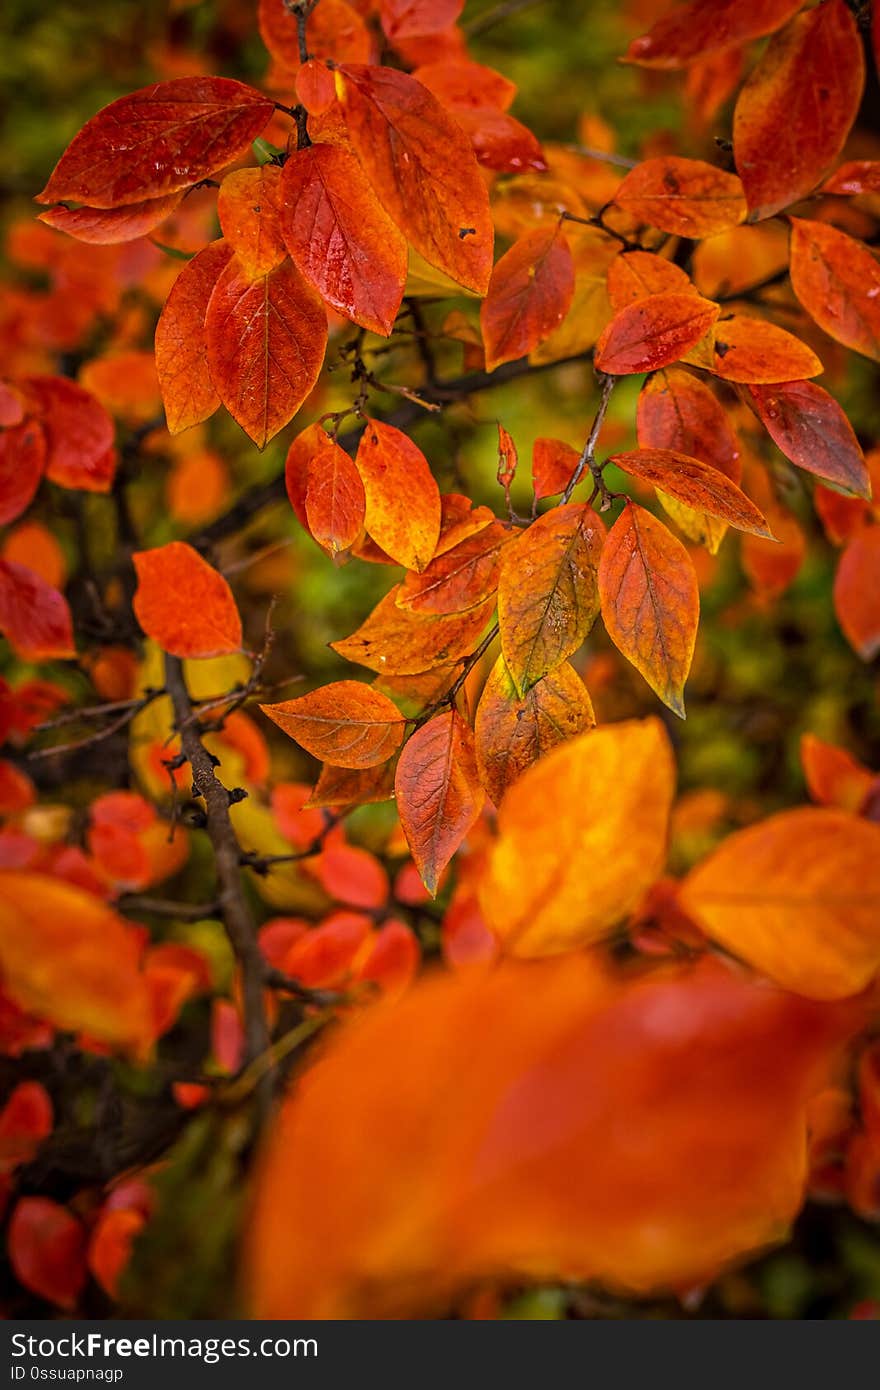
(130, 712)
(164, 907)
(492, 17)
(587, 458)
(234, 908)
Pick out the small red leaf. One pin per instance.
(653, 333)
(184, 604)
(438, 792)
(529, 294)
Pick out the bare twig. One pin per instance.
(487, 21)
(587, 458)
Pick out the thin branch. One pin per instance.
(164, 907)
(130, 711)
(234, 907)
(587, 458)
(487, 21)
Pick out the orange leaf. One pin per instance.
(351, 875)
(402, 498)
(126, 384)
(460, 83)
(181, 348)
(702, 27)
(111, 1243)
(266, 339)
(34, 616)
(635, 275)
(315, 87)
(25, 1121)
(754, 351)
(834, 777)
(184, 604)
(782, 142)
(157, 140)
(600, 799)
(684, 196)
(854, 177)
(47, 1249)
(79, 434)
(798, 897)
(346, 723)
(697, 485)
(422, 168)
(344, 787)
(459, 578)
(837, 280)
(547, 593)
(22, 458)
(249, 209)
(529, 295)
(341, 237)
(650, 601)
(653, 332)
(403, 19)
(811, 429)
(397, 642)
(553, 464)
(69, 959)
(857, 592)
(438, 792)
(334, 30)
(512, 732)
(109, 226)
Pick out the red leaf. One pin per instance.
(181, 347)
(157, 140)
(334, 30)
(797, 106)
(47, 1250)
(109, 226)
(500, 141)
(529, 294)
(79, 434)
(422, 169)
(341, 237)
(405, 19)
(811, 429)
(856, 176)
(461, 84)
(653, 332)
(696, 484)
(684, 196)
(351, 875)
(34, 617)
(266, 341)
(26, 1119)
(694, 31)
(335, 502)
(553, 464)
(857, 592)
(184, 604)
(22, 457)
(677, 411)
(438, 792)
(837, 280)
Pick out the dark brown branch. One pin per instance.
(234, 908)
(164, 907)
(587, 458)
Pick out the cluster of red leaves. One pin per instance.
(561, 1080)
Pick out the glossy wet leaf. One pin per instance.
(529, 294)
(653, 332)
(837, 280)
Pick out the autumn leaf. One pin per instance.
(756, 352)
(47, 1250)
(346, 723)
(181, 346)
(512, 732)
(593, 251)
(857, 592)
(547, 593)
(834, 777)
(266, 339)
(109, 226)
(703, 27)
(650, 601)
(810, 428)
(249, 209)
(69, 959)
(157, 140)
(782, 142)
(553, 464)
(459, 578)
(334, 30)
(684, 196)
(529, 294)
(422, 169)
(854, 177)
(698, 485)
(184, 604)
(334, 501)
(395, 641)
(344, 788)
(635, 275)
(403, 19)
(34, 616)
(22, 459)
(618, 781)
(653, 332)
(402, 498)
(837, 280)
(79, 434)
(798, 897)
(438, 791)
(341, 238)
(563, 1085)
